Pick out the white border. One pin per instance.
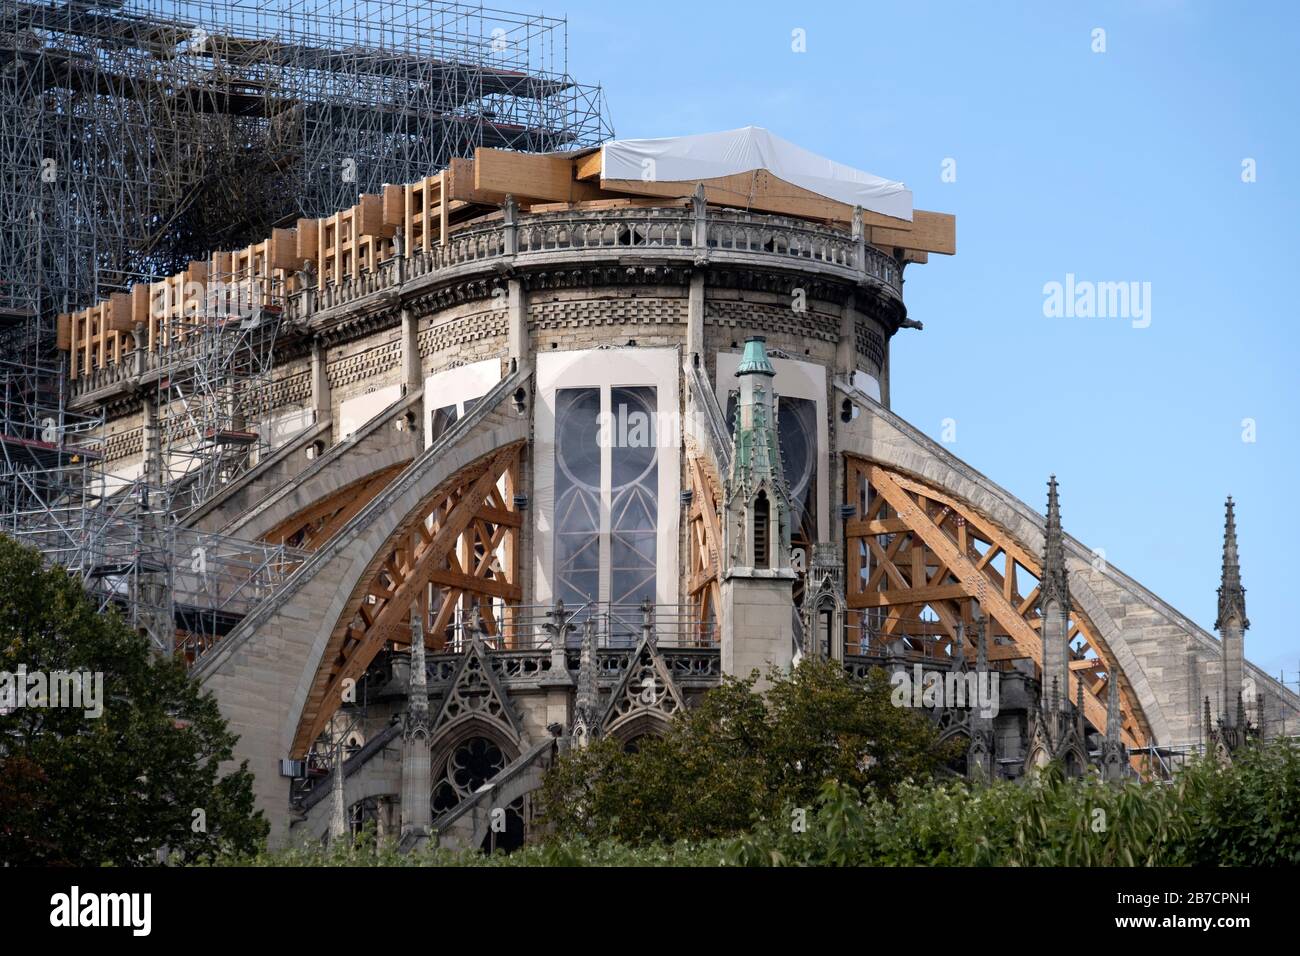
(606, 369)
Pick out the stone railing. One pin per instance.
(692, 234)
(670, 232)
(690, 667)
(613, 229)
(103, 379)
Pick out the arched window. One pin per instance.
(762, 530)
(825, 623)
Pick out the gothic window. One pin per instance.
(634, 494)
(577, 495)
(797, 430)
(446, 416)
(471, 764)
(511, 837)
(453, 393)
(762, 529)
(443, 419)
(825, 629)
(607, 462)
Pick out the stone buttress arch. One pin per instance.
(277, 676)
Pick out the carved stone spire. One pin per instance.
(1054, 608)
(417, 707)
(757, 577)
(417, 770)
(1055, 584)
(1232, 622)
(757, 496)
(980, 756)
(1232, 596)
(1114, 756)
(586, 704)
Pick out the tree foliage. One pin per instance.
(738, 758)
(117, 788)
(1247, 814)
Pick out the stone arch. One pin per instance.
(1161, 656)
(644, 724)
(645, 696)
(945, 555)
(277, 676)
(446, 745)
(426, 549)
(337, 484)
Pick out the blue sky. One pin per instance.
(1117, 166)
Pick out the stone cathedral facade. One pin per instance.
(555, 452)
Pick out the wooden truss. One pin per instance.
(704, 533)
(458, 548)
(913, 548)
(316, 524)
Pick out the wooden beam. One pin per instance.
(918, 596)
(929, 232)
(588, 167)
(468, 582)
(1025, 637)
(325, 695)
(760, 191)
(529, 174)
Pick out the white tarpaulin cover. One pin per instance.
(711, 155)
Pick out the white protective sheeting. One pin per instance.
(356, 412)
(712, 155)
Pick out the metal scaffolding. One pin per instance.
(137, 135)
(213, 370)
(49, 459)
(183, 588)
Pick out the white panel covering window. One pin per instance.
(607, 463)
(451, 393)
(356, 412)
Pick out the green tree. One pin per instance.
(1247, 814)
(740, 757)
(141, 777)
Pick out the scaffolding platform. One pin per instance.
(138, 135)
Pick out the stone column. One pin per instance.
(695, 317)
(417, 770)
(412, 374)
(320, 383)
(517, 339)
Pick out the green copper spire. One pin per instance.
(754, 360)
(757, 459)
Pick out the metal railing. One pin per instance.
(616, 626)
